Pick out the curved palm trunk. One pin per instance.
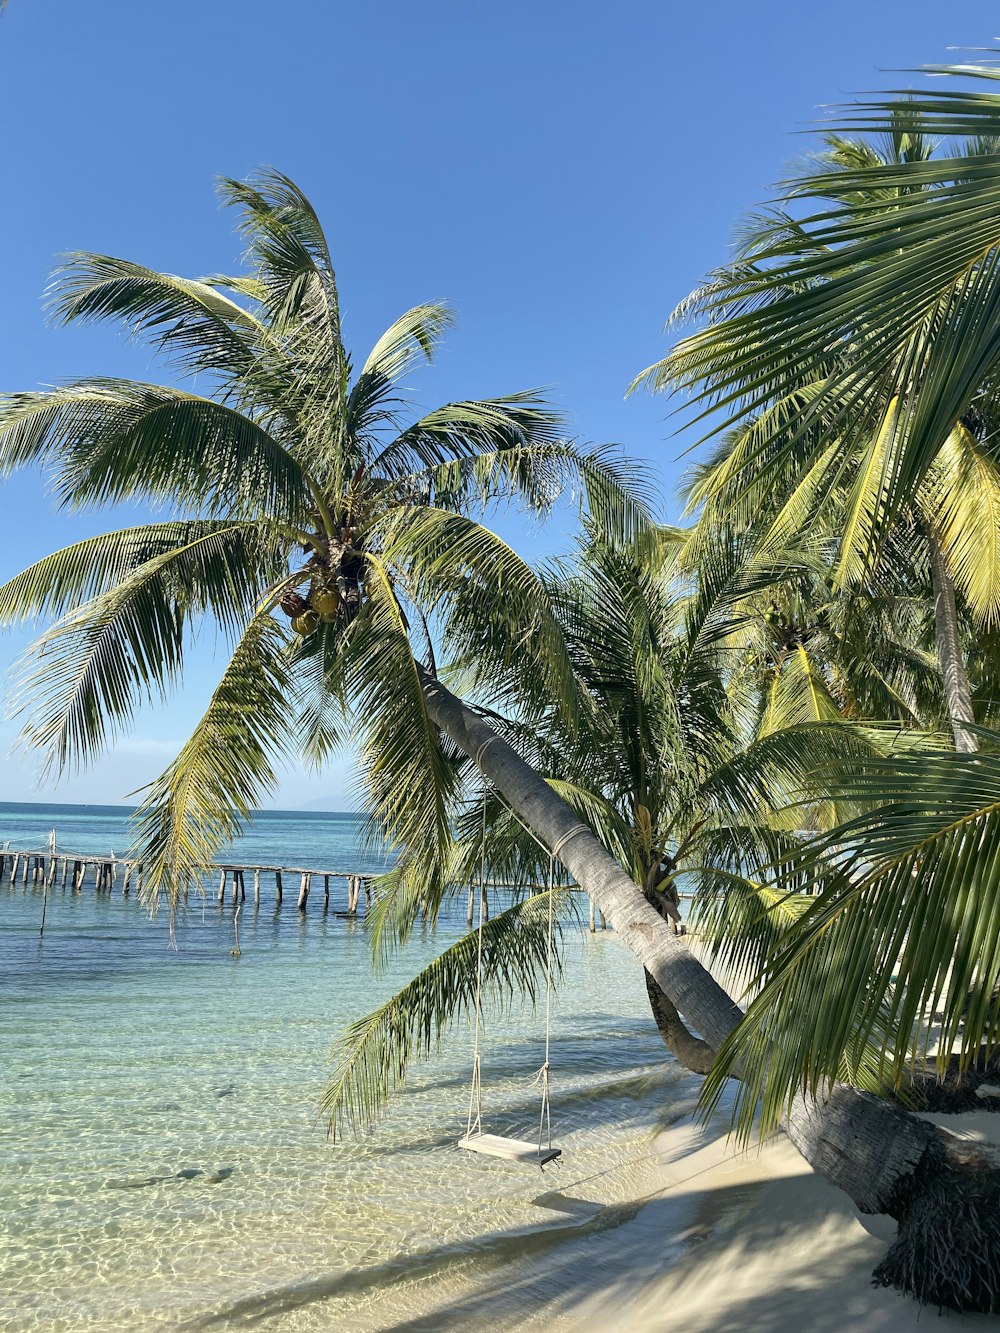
(951, 660)
(885, 1159)
(683, 1045)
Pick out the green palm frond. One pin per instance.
(408, 776)
(468, 430)
(289, 256)
(108, 441)
(903, 945)
(410, 339)
(799, 693)
(82, 680)
(198, 804)
(374, 1055)
(317, 664)
(62, 581)
(493, 607)
(914, 283)
(961, 500)
(739, 920)
(189, 319)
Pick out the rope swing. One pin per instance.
(496, 1145)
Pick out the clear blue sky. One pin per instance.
(562, 171)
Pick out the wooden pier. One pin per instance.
(73, 870)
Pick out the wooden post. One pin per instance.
(326, 893)
(604, 922)
(303, 892)
(353, 893)
(65, 873)
(256, 888)
(77, 876)
(486, 904)
(222, 887)
(24, 872)
(138, 881)
(368, 895)
(277, 887)
(470, 911)
(52, 872)
(128, 878)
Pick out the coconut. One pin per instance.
(325, 601)
(293, 605)
(305, 623)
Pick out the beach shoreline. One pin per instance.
(730, 1241)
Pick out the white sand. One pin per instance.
(730, 1242)
(772, 1247)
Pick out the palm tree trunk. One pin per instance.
(683, 1045)
(951, 660)
(886, 1160)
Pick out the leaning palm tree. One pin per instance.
(672, 773)
(316, 526)
(294, 484)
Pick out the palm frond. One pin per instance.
(197, 806)
(187, 318)
(60, 582)
(83, 679)
(108, 441)
(902, 944)
(468, 430)
(374, 1055)
(961, 501)
(493, 608)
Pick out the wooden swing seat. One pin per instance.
(514, 1150)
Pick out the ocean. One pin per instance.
(163, 1161)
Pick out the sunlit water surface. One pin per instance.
(163, 1163)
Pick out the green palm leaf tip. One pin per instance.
(306, 472)
(900, 954)
(373, 1057)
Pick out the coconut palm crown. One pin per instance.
(316, 528)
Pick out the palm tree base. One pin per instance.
(948, 1249)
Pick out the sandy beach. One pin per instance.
(730, 1242)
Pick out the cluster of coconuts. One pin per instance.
(307, 614)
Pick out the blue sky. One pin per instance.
(561, 171)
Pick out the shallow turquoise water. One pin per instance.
(162, 1161)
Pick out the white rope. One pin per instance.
(483, 748)
(576, 829)
(476, 1091)
(542, 1077)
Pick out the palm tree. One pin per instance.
(674, 774)
(308, 497)
(893, 425)
(720, 811)
(300, 496)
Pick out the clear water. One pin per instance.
(162, 1159)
